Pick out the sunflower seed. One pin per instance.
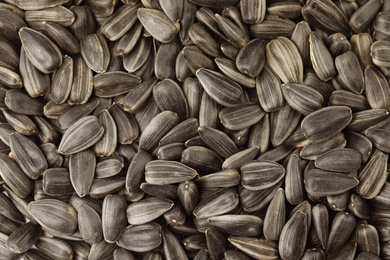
(277, 52)
(233, 32)
(56, 182)
(380, 25)
(272, 27)
(377, 88)
(101, 250)
(172, 247)
(347, 98)
(142, 212)
(380, 53)
(141, 238)
(338, 44)
(202, 38)
(258, 175)
(217, 203)
(313, 150)
(252, 11)
(321, 223)
(362, 18)
(339, 160)
(202, 159)
(82, 85)
(230, 69)
(102, 187)
(350, 79)
(255, 247)
(127, 127)
(105, 87)
(53, 158)
(82, 135)
(23, 238)
(302, 98)
(342, 227)
(122, 254)
(113, 217)
(321, 59)
(54, 248)
(57, 14)
(168, 172)
(82, 170)
(268, 89)
(90, 224)
(231, 120)
(75, 113)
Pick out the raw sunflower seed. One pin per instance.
(313, 150)
(232, 118)
(146, 210)
(10, 78)
(202, 159)
(360, 143)
(272, 27)
(138, 56)
(168, 172)
(82, 170)
(195, 59)
(321, 59)
(172, 247)
(258, 175)
(82, 135)
(94, 50)
(49, 58)
(269, 92)
(82, 85)
(300, 37)
(321, 223)
(23, 238)
(339, 160)
(56, 182)
(75, 113)
(114, 83)
(314, 253)
(362, 18)
(165, 61)
(233, 32)
(90, 224)
(253, 11)
(359, 206)
(113, 217)
(380, 53)
(302, 98)
(229, 68)
(347, 98)
(57, 14)
(128, 41)
(364, 119)
(216, 243)
(107, 144)
(188, 195)
(61, 81)
(377, 88)
(237, 225)
(101, 251)
(293, 181)
(63, 37)
(350, 74)
(103, 187)
(141, 238)
(137, 98)
(342, 227)
(255, 247)
(279, 51)
(283, 123)
(54, 248)
(202, 38)
(127, 127)
(122, 254)
(54, 216)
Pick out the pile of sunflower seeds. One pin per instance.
(194, 129)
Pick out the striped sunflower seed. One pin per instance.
(338, 202)
(268, 90)
(380, 26)
(195, 59)
(202, 38)
(107, 144)
(293, 237)
(342, 227)
(364, 119)
(272, 27)
(380, 53)
(146, 210)
(280, 130)
(95, 52)
(253, 12)
(10, 78)
(168, 172)
(229, 68)
(300, 36)
(90, 224)
(127, 127)
(121, 254)
(352, 78)
(23, 238)
(302, 98)
(109, 166)
(216, 243)
(220, 142)
(231, 120)
(172, 247)
(255, 247)
(339, 160)
(360, 45)
(359, 206)
(313, 253)
(57, 14)
(368, 239)
(321, 183)
(56, 182)
(160, 27)
(335, 119)
(232, 31)
(360, 143)
(347, 98)
(202, 159)
(287, 9)
(293, 180)
(28, 155)
(70, 116)
(275, 216)
(104, 86)
(82, 85)
(138, 96)
(101, 250)
(55, 248)
(362, 18)
(338, 44)
(188, 195)
(138, 56)
(128, 41)
(82, 170)
(50, 56)
(280, 50)
(61, 81)
(82, 135)
(376, 88)
(113, 217)
(259, 175)
(175, 216)
(321, 59)
(320, 219)
(237, 225)
(62, 37)
(141, 238)
(312, 151)
(165, 60)
(103, 187)
(54, 216)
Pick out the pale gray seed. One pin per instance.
(321, 59)
(82, 135)
(285, 9)
(293, 237)
(364, 119)
(23, 238)
(321, 183)
(141, 238)
(293, 181)
(10, 78)
(359, 206)
(312, 151)
(342, 227)
(285, 60)
(169, 96)
(216, 243)
(82, 167)
(350, 74)
(272, 27)
(61, 81)
(165, 60)
(283, 123)
(139, 55)
(70, 116)
(120, 22)
(128, 41)
(255, 247)
(202, 159)
(160, 27)
(338, 44)
(202, 38)
(232, 117)
(380, 25)
(109, 166)
(356, 102)
(14, 177)
(167, 191)
(101, 251)
(50, 56)
(56, 182)
(55, 248)
(107, 144)
(230, 69)
(168, 172)
(172, 247)
(333, 120)
(122, 254)
(221, 179)
(54, 216)
(260, 174)
(302, 98)
(360, 45)
(82, 85)
(90, 224)
(95, 52)
(57, 14)
(363, 17)
(380, 53)
(127, 127)
(114, 83)
(113, 217)
(196, 59)
(188, 194)
(208, 110)
(146, 210)
(85, 22)
(217, 203)
(373, 175)
(253, 11)
(326, 16)
(339, 160)
(28, 155)
(21, 103)
(102, 187)
(376, 88)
